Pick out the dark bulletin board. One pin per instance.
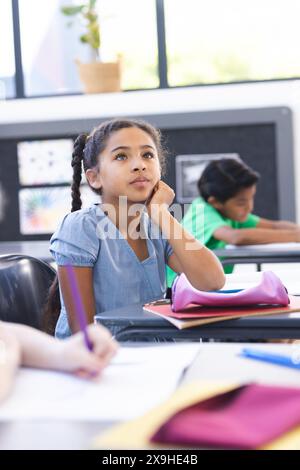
(263, 137)
(9, 227)
(255, 144)
(10, 185)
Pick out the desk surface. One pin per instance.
(134, 322)
(217, 361)
(260, 254)
(267, 249)
(221, 361)
(38, 249)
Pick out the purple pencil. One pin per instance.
(79, 308)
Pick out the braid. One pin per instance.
(77, 158)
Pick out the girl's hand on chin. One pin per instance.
(161, 198)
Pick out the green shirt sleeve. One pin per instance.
(251, 222)
(202, 220)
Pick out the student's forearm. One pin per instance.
(260, 235)
(200, 265)
(277, 224)
(37, 349)
(284, 225)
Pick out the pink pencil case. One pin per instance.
(269, 291)
(247, 417)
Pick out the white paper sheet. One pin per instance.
(138, 379)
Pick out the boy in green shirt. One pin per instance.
(222, 214)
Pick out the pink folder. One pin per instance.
(247, 417)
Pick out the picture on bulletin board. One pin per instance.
(189, 168)
(41, 209)
(45, 162)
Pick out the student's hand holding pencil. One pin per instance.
(78, 359)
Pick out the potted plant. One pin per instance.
(96, 76)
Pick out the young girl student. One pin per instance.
(23, 345)
(119, 247)
(227, 189)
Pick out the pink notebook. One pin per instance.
(193, 311)
(247, 417)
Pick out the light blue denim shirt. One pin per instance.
(89, 238)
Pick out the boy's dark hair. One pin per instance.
(86, 151)
(224, 178)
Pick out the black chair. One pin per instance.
(24, 285)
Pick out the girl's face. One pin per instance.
(128, 166)
(238, 207)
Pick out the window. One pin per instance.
(206, 42)
(219, 42)
(50, 47)
(7, 62)
(129, 28)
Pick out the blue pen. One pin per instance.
(273, 358)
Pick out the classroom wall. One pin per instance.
(284, 93)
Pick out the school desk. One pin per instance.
(260, 254)
(215, 361)
(37, 249)
(132, 323)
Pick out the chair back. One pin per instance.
(24, 286)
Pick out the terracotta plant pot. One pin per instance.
(100, 77)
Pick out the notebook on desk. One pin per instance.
(196, 315)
